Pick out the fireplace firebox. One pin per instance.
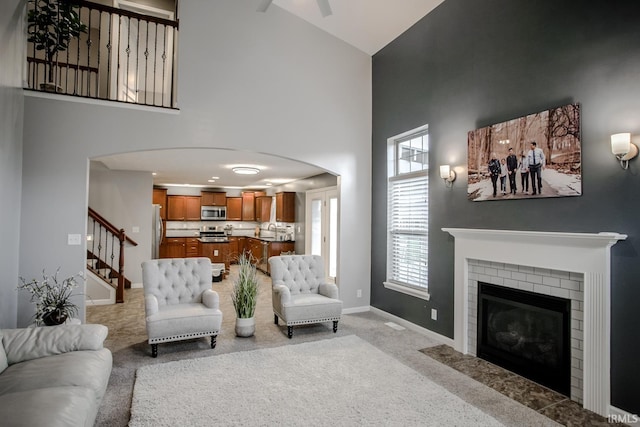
(526, 333)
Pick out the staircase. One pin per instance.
(106, 254)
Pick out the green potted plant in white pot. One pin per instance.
(52, 297)
(245, 296)
(51, 24)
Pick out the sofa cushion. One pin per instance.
(182, 320)
(33, 343)
(87, 369)
(309, 308)
(51, 407)
(3, 356)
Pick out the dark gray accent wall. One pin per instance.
(470, 64)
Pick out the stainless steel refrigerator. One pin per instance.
(157, 231)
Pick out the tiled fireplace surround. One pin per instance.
(569, 265)
(561, 284)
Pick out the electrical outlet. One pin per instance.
(434, 314)
(359, 293)
(215, 252)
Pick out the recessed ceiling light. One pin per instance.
(245, 170)
(268, 184)
(154, 173)
(215, 177)
(211, 180)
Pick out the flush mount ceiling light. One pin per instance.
(245, 170)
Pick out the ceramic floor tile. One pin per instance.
(528, 393)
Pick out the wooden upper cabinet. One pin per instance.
(183, 208)
(248, 206)
(160, 198)
(286, 207)
(213, 198)
(234, 208)
(263, 208)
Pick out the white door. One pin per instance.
(322, 227)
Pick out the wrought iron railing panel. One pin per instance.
(121, 56)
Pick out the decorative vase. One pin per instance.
(55, 317)
(245, 327)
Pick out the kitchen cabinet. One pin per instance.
(261, 250)
(263, 208)
(249, 204)
(213, 198)
(276, 249)
(234, 208)
(183, 208)
(160, 198)
(192, 247)
(254, 250)
(218, 253)
(286, 207)
(173, 247)
(234, 249)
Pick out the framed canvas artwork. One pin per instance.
(534, 156)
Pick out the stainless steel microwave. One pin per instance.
(213, 213)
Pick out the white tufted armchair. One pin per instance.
(179, 302)
(300, 292)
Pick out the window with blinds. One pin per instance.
(408, 213)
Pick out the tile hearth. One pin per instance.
(547, 402)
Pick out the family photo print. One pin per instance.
(534, 156)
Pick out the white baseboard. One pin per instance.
(99, 301)
(412, 326)
(617, 415)
(362, 309)
(136, 285)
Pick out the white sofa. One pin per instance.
(53, 376)
(301, 293)
(179, 301)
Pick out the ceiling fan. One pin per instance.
(323, 5)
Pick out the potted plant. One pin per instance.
(51, 24)
(244, 296)
(52, 298)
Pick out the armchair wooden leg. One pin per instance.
(154, 350)
(289, 331)
(335, 326)
(275, 319)
(213, 341)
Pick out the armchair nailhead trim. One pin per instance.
(182, 337)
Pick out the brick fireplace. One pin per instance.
(575, 266)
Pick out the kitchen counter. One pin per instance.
(271, 239)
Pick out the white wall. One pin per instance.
(265, 82)
(12, 62)
(124, 199)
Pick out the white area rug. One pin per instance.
(341, 381)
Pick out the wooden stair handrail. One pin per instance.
(112, 228)
(122, 238)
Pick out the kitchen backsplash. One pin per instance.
(239, 228)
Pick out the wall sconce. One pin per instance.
(448, 175)
(623, 148)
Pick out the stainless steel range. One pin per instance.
(212, 234)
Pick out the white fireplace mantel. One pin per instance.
(586, 253)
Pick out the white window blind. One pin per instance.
(408, 220)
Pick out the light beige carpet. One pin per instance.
(332, 382)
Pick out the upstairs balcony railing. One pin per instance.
(123, 56)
